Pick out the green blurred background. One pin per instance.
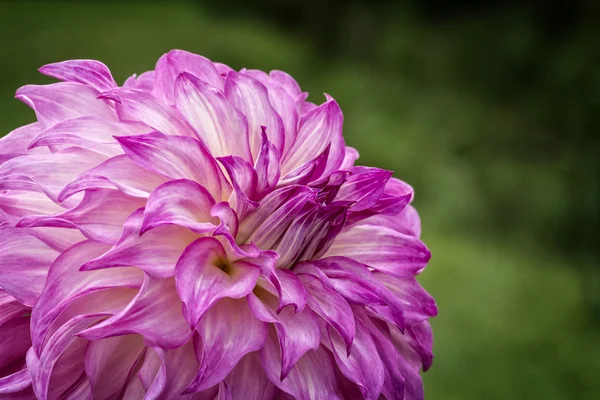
(490, 110)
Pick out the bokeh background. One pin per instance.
(489, 109)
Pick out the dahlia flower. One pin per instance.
(202, 233)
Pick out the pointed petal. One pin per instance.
(24, 264)
(244, 181)
(296, 236)
(292, 291)
(318, 129)
(170, 65)
(385, 250)
(58, 239)
(394, 381)
(204, 276)
(313, 376)
(138, 105)
(396, 196)
(286, 81)
(251, 98)
(176, 157)
(267, 207)
(16, 383)
(16, 143)
(247, 380)
(61, 363)
(330, 220)
(88, 132)
(89, 72)
(108, 363)
(331, 307)
(177, 369)
(363, 366)
(283, 102)
(221, 127)
(228, 331)
(275, 225)
(267, 166)
(307, 172)
(417, 303)
(100, 215)
(117, 172)
(50, 172)
(143, 82)
(297, 332)
(65, 284)
(156, 252)
(154, 313)
(15, 204)
(180, 202)
(60, 101)
(363, 187)
(406, 222)
(358, 285)
(350, 157)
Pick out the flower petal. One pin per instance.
(330, 306)
(154, 313)
(170, 65)
(364, 186)
(60, 101)
(138, 105)
(318, 129)
(178, 158)
(244, 180)
(16, 383)
(417, 303)
(267, 167)
(394, 380)
(274, 226)
(50, 172)
(221, 127)
(24, 264)
(156, 252)
(363, 366)
(204, 275)
(117, 172)
(16, 143)
(385, 250)
(228, 331)
(313, 376)
(88, 132)
(251, 98)
(66, 284)
(58, 366)
(406, 222)
(99, 216)
(297, 332)
(247, 381)
(180, 202)
(350, 157)
(15, 204)
(89, 72)
(177, 369)
(109, 362)
(143, 82)
(292, 291)
(267, 207)
(296, 236)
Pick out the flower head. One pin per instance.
(198, 233)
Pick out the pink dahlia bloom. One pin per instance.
(202, 233)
